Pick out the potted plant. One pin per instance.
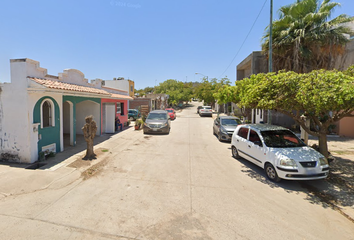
(138, 124)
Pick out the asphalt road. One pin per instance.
(184, 185)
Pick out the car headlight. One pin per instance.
(323, 161)
(146, 125)
(164, 125)
(223, 130)
(287, 162)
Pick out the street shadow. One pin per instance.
(334, 192)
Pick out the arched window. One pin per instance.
(47, 113)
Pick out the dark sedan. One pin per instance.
(224, 127)
(158, 121)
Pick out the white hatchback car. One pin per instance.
(279, 152)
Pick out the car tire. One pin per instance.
(271, 173)
(234, 152)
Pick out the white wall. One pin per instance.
(118, 84)
(14, 133)
(73, 76)
(18, 138)
(84, 109)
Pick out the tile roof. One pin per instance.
(114, 89)
(114, 95)
(68, 86)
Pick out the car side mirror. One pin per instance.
(258, 143)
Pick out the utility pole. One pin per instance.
(270, 58)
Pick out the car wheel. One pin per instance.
(271, 173)
(234, 152)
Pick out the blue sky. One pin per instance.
(148, 41)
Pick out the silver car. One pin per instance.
(158, 121)
(206, 111)
(279, 152)
(224, 127)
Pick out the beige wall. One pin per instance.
(131, 88)
(346, 127)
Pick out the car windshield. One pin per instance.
(230, 122)
(169, 110)
(157, 116)
(281, 139)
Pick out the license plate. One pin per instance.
(154, 129)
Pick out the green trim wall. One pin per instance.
(49, 135)
(75, 100)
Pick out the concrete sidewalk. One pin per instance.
(16, 179)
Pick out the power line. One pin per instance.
(245, 38)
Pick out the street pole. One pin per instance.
(203, 75)
(270, 58)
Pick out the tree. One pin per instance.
(206, 90)
(89, 130)
(322, 96)
(303, 38)
(177, 91)
(142, 92)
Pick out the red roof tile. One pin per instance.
(68, 86)
(114, 95)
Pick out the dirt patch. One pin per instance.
(342, 173)
(341, 152)
(90, 168)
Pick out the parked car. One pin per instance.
(133, 114)
(172, 113)
(206, 111)
(198, 108)
(157, 121)
(279, 152)
(224, 127)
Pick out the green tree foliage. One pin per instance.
(303, 37)
(177, 91)
(322, 96)
(142, 92)
(205, 91)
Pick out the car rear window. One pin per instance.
(157, 116)
(230, 122)
(207, 107)
(243, 132)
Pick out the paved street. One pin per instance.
(184, 185)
